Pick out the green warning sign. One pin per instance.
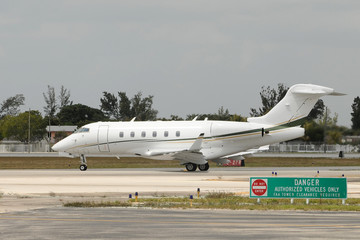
(282, 187)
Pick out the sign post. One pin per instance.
(306, 188)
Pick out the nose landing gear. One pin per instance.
(83, 163)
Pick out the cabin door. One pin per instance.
(103, 135)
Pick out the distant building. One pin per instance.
(59, 132)
(351, 140)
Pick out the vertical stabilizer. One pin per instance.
(296, 105)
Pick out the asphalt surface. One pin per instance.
(133, 223)
(150, 181)
(31, 206)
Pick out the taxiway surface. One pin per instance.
(31, 205)
(150, 181)
(133, 223)
(30, 189)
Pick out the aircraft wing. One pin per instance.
(191, 155)
(248, 152)
(241, 155)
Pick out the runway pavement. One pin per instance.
(149, 181)
(133, 223)
(31, 189)
(31, 205)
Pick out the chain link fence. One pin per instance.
(24, 147)
(312, 148)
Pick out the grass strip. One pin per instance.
(230, 201)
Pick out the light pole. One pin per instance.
(325, 122)
(29, 131)
(49, 135)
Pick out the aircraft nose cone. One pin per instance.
(56, 147)
(60, 146)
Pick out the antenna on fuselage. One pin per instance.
(132, 120)
(195, 118)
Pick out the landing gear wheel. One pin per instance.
(83, 167)
(83, 163)
(204, 167)
(191, 167)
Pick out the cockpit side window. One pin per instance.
(83, 130)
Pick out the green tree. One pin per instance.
(50, 100)
(355, 115)
(11, 106)
(315, 129)
(52, 106)
(237, 118)
(221, 115)
(80, 115)
(142, 107)
(317, 111)
(314, 132)
(333, 136)
(176, 118)
(110, 106)
(17, 127)
(64, 97)
(269, 98)
(123, 108)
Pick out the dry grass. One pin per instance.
(110, 162)
(299, 162)
(73, 163)
(229, 201)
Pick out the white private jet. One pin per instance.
(194, 143)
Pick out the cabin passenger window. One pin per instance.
(166, 134)
(132, 134)
(178, 133)
(154, 133)
(143, 134)
(121, 134)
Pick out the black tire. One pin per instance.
(83, 167)
(204, 167)
(191, 167)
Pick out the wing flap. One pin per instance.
(242, 155)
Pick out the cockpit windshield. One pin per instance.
(82, 130)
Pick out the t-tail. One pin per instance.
(295, 106)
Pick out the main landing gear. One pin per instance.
(83, 163)
(191, 167)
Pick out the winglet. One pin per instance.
(197, 144)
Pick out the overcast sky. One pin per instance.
(193, 56)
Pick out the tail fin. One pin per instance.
(295, 106)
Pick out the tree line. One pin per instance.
(60, 110)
